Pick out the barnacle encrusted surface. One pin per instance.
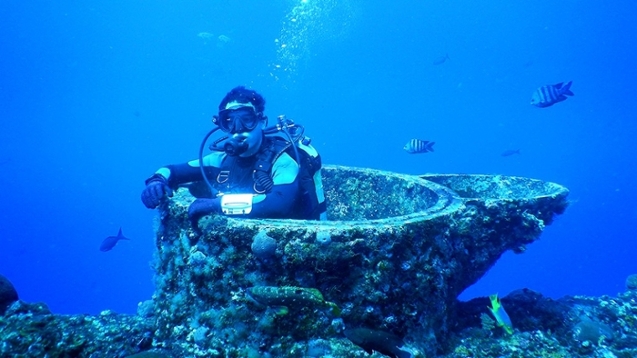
(394, 255)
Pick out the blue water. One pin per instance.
(96, 95)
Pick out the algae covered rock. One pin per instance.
(31, 330)
(263, 246)
(382, 275)
(393, 256)
(8, 294)
(631, 282)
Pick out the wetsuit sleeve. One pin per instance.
(184, 173)
(177, 174)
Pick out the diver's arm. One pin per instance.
(278, 203)
(176, 174)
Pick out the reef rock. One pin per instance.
(8, 294)
(263, 246)
(394, 255)
(382, 274)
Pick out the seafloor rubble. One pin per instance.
(568, 327)
(389, 263)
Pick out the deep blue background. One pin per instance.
(95, 95)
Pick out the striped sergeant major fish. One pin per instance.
(415, 146)
(551, 94)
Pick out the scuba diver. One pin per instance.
(253, 171)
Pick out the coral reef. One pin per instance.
(393, 256)
(569, 327)
(543, 328)
(8, 294)
(391, 260)
(631, 282)
(263, 246)
(30, 330)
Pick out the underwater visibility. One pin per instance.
(382, 269)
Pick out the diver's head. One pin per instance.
(241, 116)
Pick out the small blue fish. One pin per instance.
(510, 152)
(549, 95)
(110, 242)
(416, 146)
(441, 60)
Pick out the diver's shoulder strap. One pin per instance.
(270, 153)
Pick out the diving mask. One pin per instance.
(237, 119)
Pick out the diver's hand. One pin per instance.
(200, 208)
(156, 189)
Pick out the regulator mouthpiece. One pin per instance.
(234, 147)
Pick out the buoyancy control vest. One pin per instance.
(310, 201)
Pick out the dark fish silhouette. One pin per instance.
(110, 242)
(510, 152)
(374, 340)
(549, 95)
(441, 60)
(415, 146)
